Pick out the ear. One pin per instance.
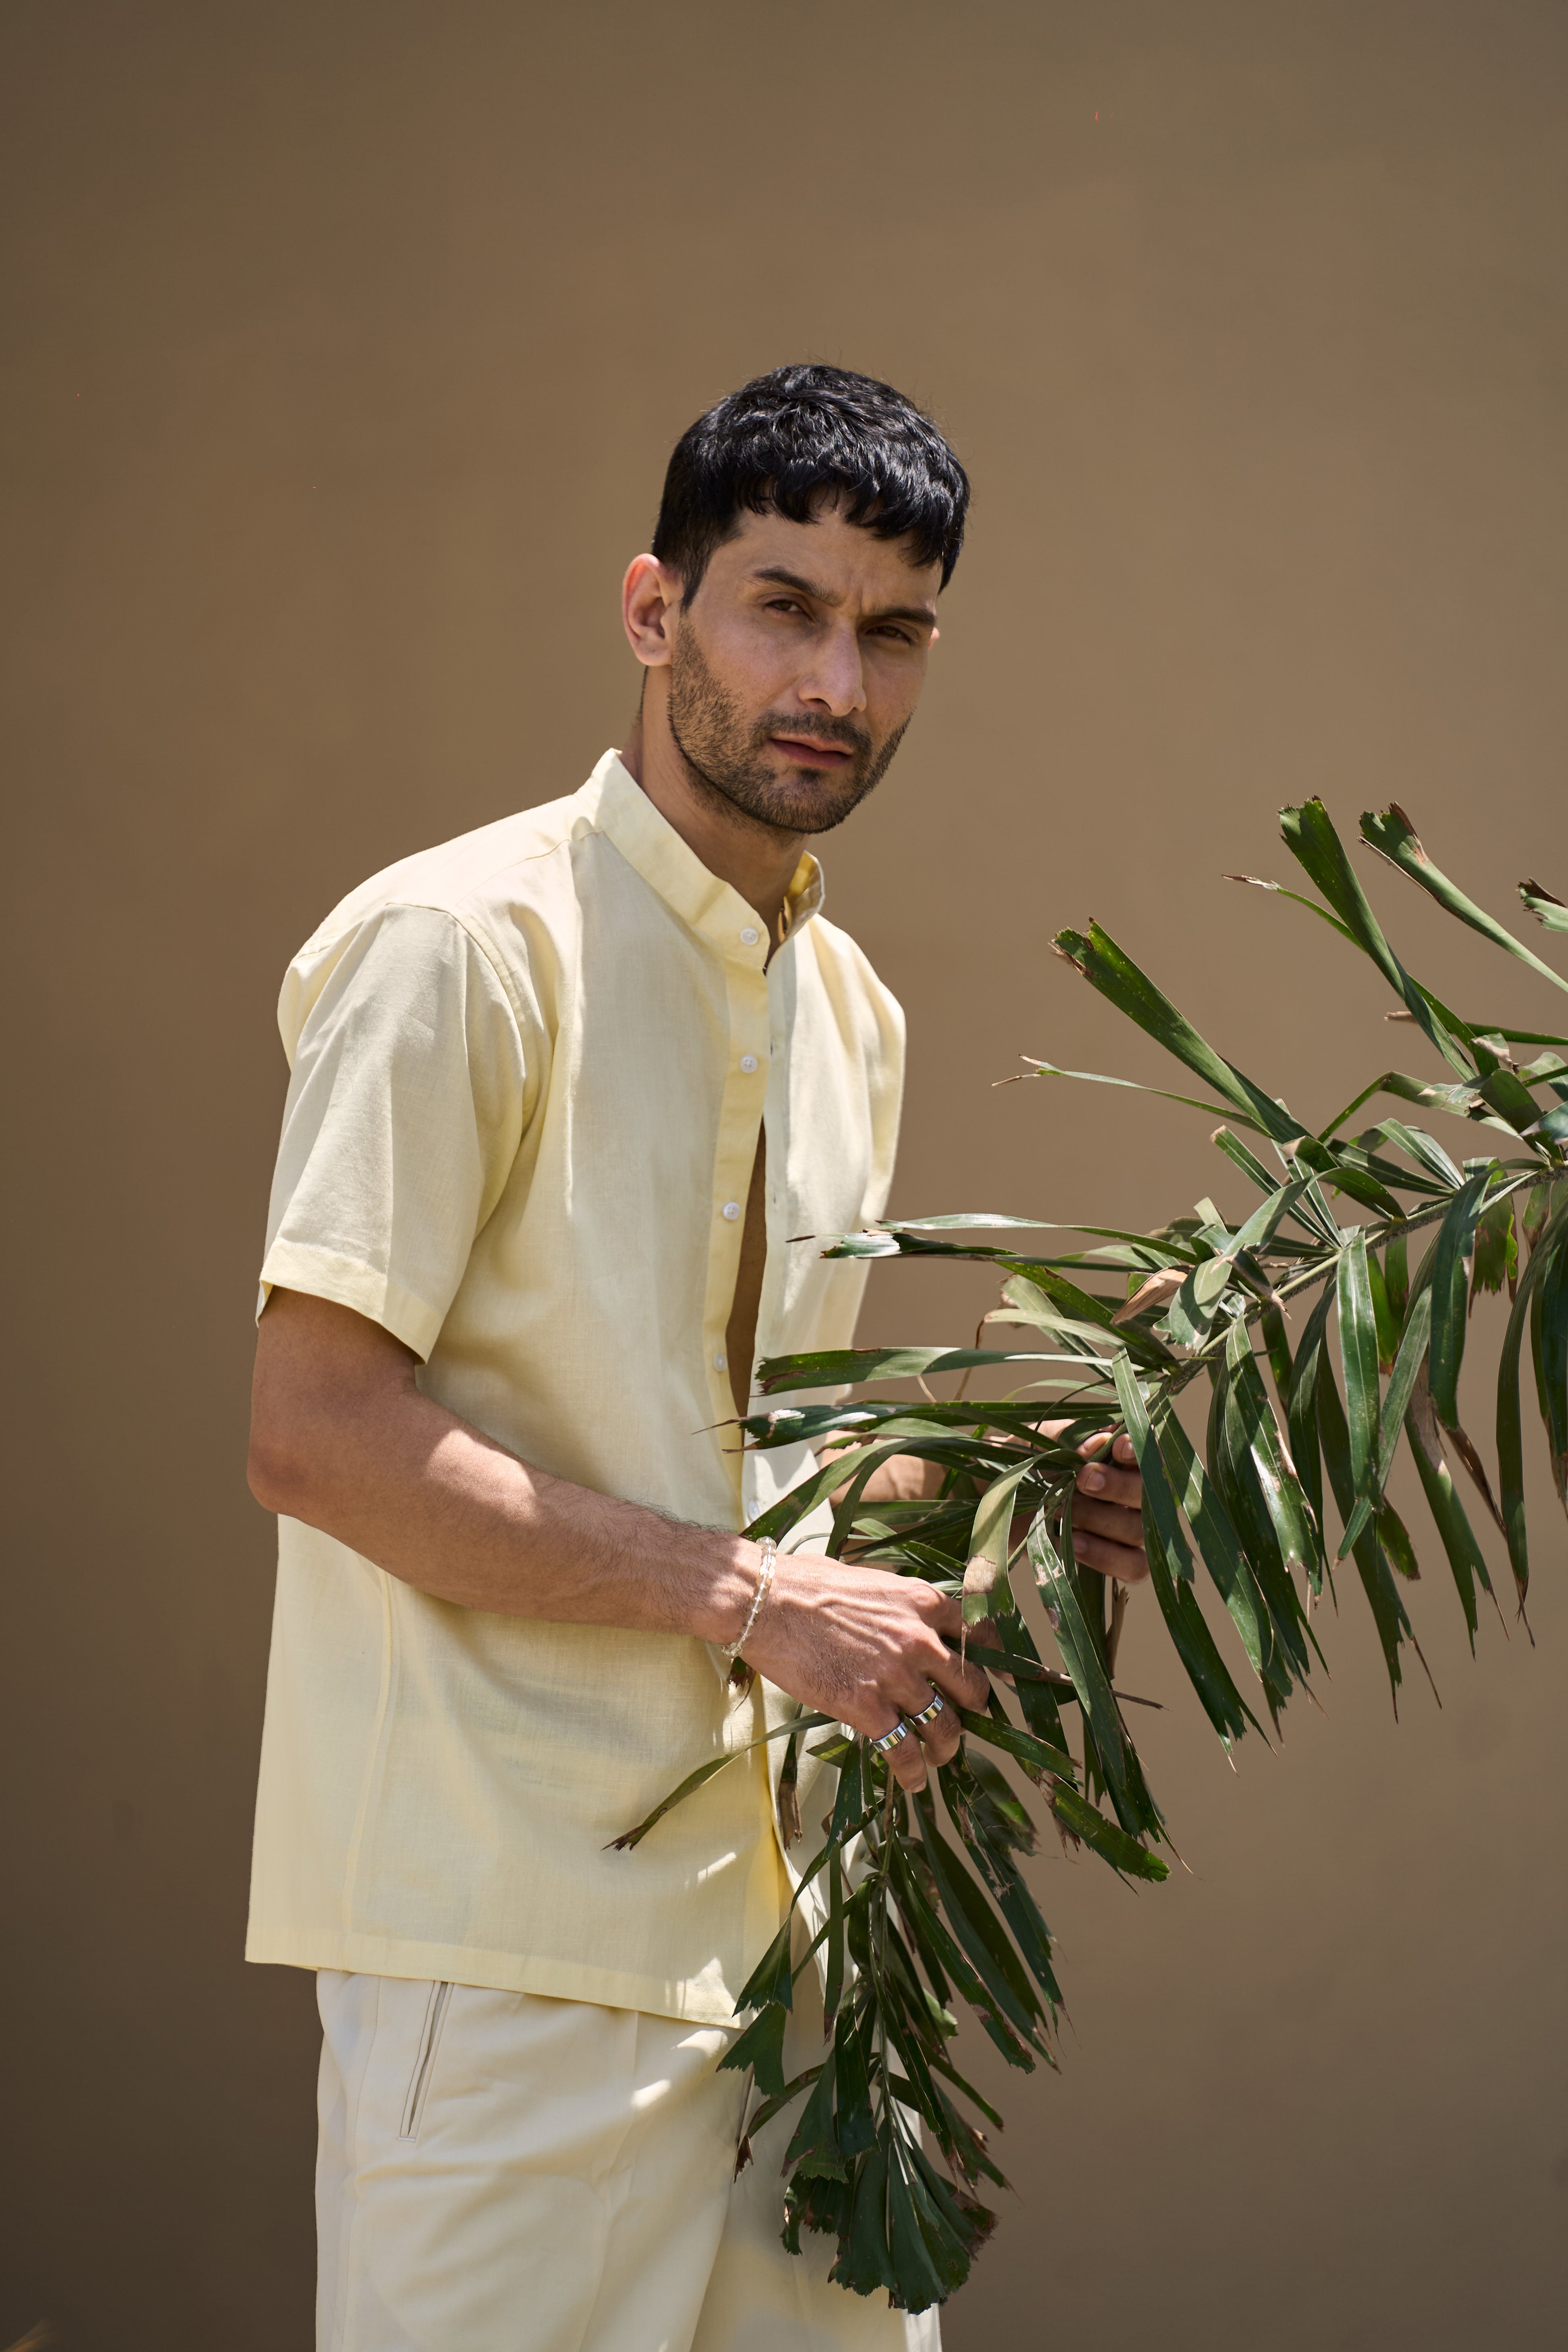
(650, 602)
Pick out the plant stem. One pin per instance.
(1375, 1235)
(1119, 1599)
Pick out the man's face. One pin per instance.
(797, 665)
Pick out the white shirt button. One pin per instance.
(720, 1362)
(750, 936)
(748, 1063)
(732, 1210)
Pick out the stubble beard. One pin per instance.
(723, 751)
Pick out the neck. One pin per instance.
(757, 860)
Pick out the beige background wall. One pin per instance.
(343, 347)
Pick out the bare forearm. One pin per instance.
(373, 1461)
(342, 1437)
(445, 1509)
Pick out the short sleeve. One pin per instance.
(885, 1077)
(405, 1112)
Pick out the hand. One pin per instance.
(866, 1648)
(1108, 1515)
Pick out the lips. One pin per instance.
(809, 752)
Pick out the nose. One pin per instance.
(835, 680)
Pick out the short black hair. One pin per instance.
(799, 435)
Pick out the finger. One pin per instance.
(1122, 1529)
(1123, 1487)
(1095, 1449)
(939, 1736)
(948, 1619)
(907, 1763)
(1111, 1521)
(1109, 1559)
(983, 1635)
(942, 1662)
(932, 1717)
(961, 1683)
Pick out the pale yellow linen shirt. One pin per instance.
(528, 1069)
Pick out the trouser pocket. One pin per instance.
(425, 2061)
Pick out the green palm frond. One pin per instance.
(933, 1908)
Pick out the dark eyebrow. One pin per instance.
(922, 615)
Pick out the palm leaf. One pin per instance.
(914, 1920)
(1546, 907)
(1392, 835)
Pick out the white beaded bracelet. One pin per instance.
(770, 1555)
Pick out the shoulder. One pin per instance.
(499, 898)
(847, 973)
(496, 864)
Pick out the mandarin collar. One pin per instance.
(648, 841)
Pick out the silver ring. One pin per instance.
(884, 1742)
(929, 1713)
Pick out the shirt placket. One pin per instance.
(744, 950)
(772, 1337)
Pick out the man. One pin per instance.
(564, 1093)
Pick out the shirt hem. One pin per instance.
(328, 1274)
(391, 1956)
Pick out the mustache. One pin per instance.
(841, 732)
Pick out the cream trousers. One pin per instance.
(502, 2173)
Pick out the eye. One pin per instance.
(784, 604)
